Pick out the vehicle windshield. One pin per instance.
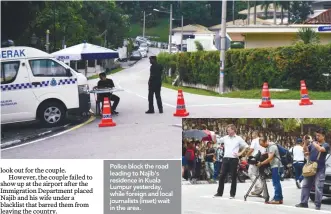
(143, 45)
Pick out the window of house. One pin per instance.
(9, 71)
(47, 68)
(188, 37)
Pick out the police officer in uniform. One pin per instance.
(154, 86)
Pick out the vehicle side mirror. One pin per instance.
(68, 72)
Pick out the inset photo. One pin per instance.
(231, 163)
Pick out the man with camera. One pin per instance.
(317, 152)
(232, 144)
(253, 170)
(275, 165)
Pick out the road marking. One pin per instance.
(92, 118)
(138, 95)
(224, 104)
(263, 204)
(243, 103)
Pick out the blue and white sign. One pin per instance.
(12, 53)
(324, 28)
(53, 82)
(62, 58)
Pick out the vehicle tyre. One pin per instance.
(312, 197)
(52, 114)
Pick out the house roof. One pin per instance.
(237, 37)
(259, 9)
(190, 28)
(241, 22)
(323, 18)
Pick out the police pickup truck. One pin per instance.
(36, 86)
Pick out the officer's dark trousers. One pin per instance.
(111, 97)
(229, 165)
(157, 91)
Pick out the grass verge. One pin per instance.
(255, 93)
(96, 76)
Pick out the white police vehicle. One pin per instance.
(36, 86)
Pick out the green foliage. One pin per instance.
(245, 69)
(308, 36)
(78, 21)
(130, 47)
(160, 30)
(275, 127)
(168, 61)
(237, 45)
(198, 45)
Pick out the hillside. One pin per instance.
(160, 30)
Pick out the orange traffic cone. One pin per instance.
(304, 95)
(181, 109)
(266, 101)
(106, 115)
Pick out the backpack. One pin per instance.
(285, 155)
(189, 155)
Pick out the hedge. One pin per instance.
(281, 67)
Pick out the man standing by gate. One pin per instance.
(154, 86)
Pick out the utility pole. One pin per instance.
(181, 40)
(64, 39)
(170, 36)
(233, 2)
(144, 25)
(54, 39)
(170, 29)
(222, 54)
(47, 41)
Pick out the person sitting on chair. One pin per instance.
(104, 82)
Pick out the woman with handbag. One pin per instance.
(314, 169)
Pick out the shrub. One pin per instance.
(198, 45)
(281, 67)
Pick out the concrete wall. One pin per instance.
(265, 40)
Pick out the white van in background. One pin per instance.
(36, 86)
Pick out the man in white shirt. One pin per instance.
(232, 144)
(298, 161)
(253, 170)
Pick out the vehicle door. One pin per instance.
(52, 80)
(18, 102)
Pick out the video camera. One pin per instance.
(264, 169)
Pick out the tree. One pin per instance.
(300, 11)
(265, 5)
(255, 12)
(285, 5)
(248, 12)
(198, 45)
(307, 36)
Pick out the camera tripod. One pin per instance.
(263, 177)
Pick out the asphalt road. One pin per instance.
(158, 136)
(198, 199)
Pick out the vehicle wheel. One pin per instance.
(52, 114)
(312, 197)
